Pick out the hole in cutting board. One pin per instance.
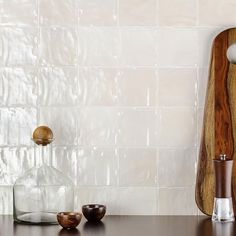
(231, 53)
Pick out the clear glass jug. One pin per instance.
(43, 191)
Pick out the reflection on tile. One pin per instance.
(18, 86)
(97, 166)
(63, 122)
(137, 87)
(177, 87)
(137, 167)
(177, 201)
(58, 86)
(203, 75)
(137, 12)
(98, 86)
(180, 131)
(137, 127)
(98, 126)
(18, 46)
(181, 12)
(176, 167)
(14, 161)
(58, 46)
(19, 12)
(6, 199)
(104, 51)
(110, 126)
(177, 47)
(137, 201)
(99, 195)
(138, 47)
(117, 87)
(206, 38)
(217, 12)
(95, 13)
(65, 160)
(17, 125)
(200, 127)
(57, 12)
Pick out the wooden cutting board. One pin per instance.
(219, 124)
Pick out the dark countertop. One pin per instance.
(126, 225)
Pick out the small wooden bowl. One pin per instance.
(94, 212)
(69, 220)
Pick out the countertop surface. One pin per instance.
(126, 225)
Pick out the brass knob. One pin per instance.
(43, 135)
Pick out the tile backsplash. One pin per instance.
(122, 85)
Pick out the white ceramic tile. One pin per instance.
(104, 51)
(17, 125)
(14, 161)
(137, 201)
(98, 86)
(80, 68)
(206, 38)
(99, 195)
(178, 127)
(203, 75)
(18, 46)
(137, 127)
(63, 122)
(98, 126)
(19, 12)
(177, 201)
(97, 166)
(217, 12)
(138, 47)
(58, 86)
(57, 12)
(177, 47)
(176, 167)
(97, 13)
(177, 87)
(137, 87)
(137, 167)
(177, 12)
(65, 160)
(137, 12)
(58, 46)
(18, 86)
(6, 198)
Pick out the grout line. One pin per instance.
(157, 13)
(37, 64)
(118, 12)
(115, 107)
(197, 13)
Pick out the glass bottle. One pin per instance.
(43, 191)
(223, 207)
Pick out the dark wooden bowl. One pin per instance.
(69, 220)
(94, 212)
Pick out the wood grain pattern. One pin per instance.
(219, 126)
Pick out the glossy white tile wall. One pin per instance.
(122, 84)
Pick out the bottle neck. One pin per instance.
(42, 155)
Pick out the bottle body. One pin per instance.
(42, 192)
(223, 210)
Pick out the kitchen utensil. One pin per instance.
(223, 207)
(219, 126)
